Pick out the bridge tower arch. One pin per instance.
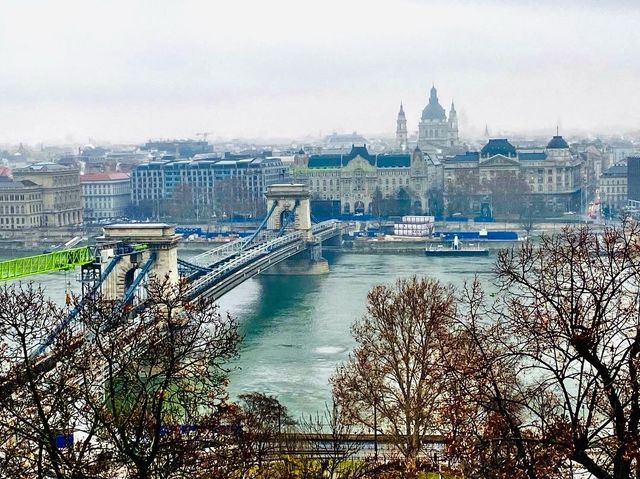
(292, 212)
(134, 250)
(290, 203)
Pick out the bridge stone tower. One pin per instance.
(156, 239)
(291, 205)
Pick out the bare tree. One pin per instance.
(553, 376)
(182, 204)
(393, 379)
(527, 215)
(333, 441)
(460, 194)
(379, 205)
(492, 432)
(39, 403)
(264, 420)
(156, 385)
(233, 196)
(508, 191)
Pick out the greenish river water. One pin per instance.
(297, 328)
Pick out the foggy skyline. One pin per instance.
(128, 71)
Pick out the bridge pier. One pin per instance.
(306, 263)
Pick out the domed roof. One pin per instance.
(557, 143)
(434, 110)
(498, 146)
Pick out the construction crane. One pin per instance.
(204, 134)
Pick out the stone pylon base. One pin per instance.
(303, 267)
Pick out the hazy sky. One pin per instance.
(129, 70)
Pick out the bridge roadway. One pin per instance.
(234, 265)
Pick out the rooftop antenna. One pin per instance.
(557, 130)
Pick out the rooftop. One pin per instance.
(467, 156)
(350, 138)
(532, 155)
(393, 161)
(8, 183)
(242, 162)
(381, 161)
(616, 170)
(498, 146)
(137, 226)
(45, 166)
(557, 143)
(104, 176)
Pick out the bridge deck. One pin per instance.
(231, 268)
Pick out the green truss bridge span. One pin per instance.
(45, 263)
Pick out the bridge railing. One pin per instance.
(242, 259)
(228, 250)
(325, 227)
(218, 254)
(239, 258)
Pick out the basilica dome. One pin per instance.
(434, 111)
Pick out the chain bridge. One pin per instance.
(128, 254)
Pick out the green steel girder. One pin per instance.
(44, 263)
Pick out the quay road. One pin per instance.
(356, 445)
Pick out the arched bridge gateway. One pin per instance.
(128, 253)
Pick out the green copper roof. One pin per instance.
(557, 142)
(380, 161)
(532, 156)
(467, 156)
(325, 161)
(434, 110)
(393, 161)
(498, 146)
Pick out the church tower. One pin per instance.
(453, 124)
(401, 130)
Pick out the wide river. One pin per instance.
(296, 329)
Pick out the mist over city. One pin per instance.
(320, 240)
(130, 71)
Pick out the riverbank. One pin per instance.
(404, 246)
(388, 244)
(35, 241)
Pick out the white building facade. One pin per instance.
(105, 195)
